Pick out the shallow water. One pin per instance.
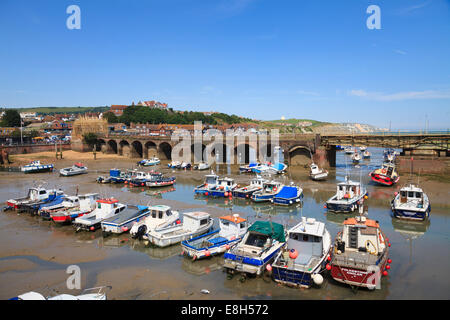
(34, 254)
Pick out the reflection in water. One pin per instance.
(155, 252)
(204, 266)
(410, 230)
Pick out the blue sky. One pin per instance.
(258, 58)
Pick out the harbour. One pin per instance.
(36, 253)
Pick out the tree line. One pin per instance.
(142, 114)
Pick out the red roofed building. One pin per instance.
(117, 109)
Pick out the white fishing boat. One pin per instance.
(348, 197)
(366, 154)
(69, 202)
(87, 203)
(259, 247)
(124, 221)
(34, 195)
(231, 230)
(174, 165)
(349, 150)
(256, 184)
(160, 216)
(106, 208)
(316, 173)
(36, 166)
(77, 168)
(97, 293)
(269, 190)
(362, 148)
(194, 224)
(304, 258)
(411, 203)
(149, 162)
(356, 157)
(202, 166)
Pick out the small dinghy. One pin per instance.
(348, 196)
(366, 154)
(87, 203)
(362, 148)
(77, 168)
(360, 255)
(36, 167)
(160, 216)
(246, 192)
(231, 230)
(194, 224)
(270, 189)
(149, 162)
(185, 165)
(317, 174)
(259, 246)
(106, 208)
(97, 293)
(288, 195)
(304, 258)
(125, 220)
(269, 168)
(386, 175)
(411, 203)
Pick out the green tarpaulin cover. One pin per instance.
(272, 229)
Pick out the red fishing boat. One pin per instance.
(386, 175)
(360, 255)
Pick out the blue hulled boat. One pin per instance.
(288, 195)
(411, 203)
(269, 190)
(348, 196)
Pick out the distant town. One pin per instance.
(50, 124)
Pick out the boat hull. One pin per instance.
(205, 252)
(287, 201)
(411, 214)
(171, 240)
(296, 278)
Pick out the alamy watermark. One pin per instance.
(74, 20)
(74, 280)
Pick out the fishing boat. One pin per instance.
(356, 157)
(316, 173)
(202, 166)
(248, 167)
(231, 230)
(174, 165)
(268, 191)
(348, 196)
(270, 168)
(360, 255)
(160, 216)
(386, 175)
(411, 203)
(77, 168)
(158, 180)
(288, 195)
(67, 203)
(305, 256)
(36, 167)
(259, 246)
(366, 154)
(211, 181)
(97, 293)
(117, 176)
(194, 224)
(87, 203)
(56, 198)
(124, 221)
(224, 188)
(362, 148)
(349, 150)
(34, 195)
(256, 184)
(139, 178)
(103, 179)
(149, 162)
(106, 208)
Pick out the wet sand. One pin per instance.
(34, 254)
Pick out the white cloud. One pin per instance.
(407, 95)
(307, 93)
(400, 51)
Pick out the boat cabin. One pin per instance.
(348, 190)
(361, 234)
(71, 201)
(38, 194)
(211, 179)
(192, 221)
(271, 186)
(411, 194)
(307, 239)
(225, 183)
(232, 226)
(260, 237)
(88, 201)
(112, 205)
(160, 212)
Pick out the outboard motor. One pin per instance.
(141, 231)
